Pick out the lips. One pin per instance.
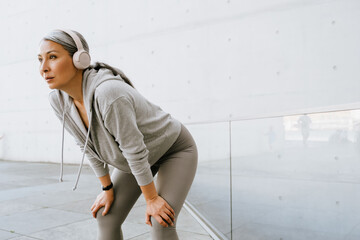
(48, 78)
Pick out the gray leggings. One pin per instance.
(175, 173)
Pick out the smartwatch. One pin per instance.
(107, 187)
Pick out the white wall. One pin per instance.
(198, 60)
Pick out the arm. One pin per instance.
(121, 121)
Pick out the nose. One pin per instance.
(44, 67)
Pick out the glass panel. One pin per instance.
(297, 177)
(210, 192)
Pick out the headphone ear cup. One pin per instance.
(81, 59)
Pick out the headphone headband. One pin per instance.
(75, 38)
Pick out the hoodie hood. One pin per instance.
(91, 80)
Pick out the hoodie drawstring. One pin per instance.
(82, 160)
(62, 150)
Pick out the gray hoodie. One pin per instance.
(125, 131)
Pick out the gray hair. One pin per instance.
(66, 40)
(69, 45)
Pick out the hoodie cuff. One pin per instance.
(145, 178)
(101, 171)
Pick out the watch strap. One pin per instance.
(107, 187)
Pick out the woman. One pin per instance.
(115, 125)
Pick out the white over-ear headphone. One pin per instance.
(81, 58)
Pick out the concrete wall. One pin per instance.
(198, 60)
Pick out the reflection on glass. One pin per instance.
(296, 177)
(210, 192)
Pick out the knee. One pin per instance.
(109, 226)
(109, 221)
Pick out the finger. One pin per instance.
(167, 219)
(94, 213)
(106, 210)
(170, 208)
(172, 211)
(96, 209)
(147, 220)
(170, 214)
(93, 206)
(161, 221)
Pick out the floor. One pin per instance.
(294, 192)
(34, 205)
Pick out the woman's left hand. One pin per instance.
(159, 209)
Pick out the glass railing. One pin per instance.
(287, 177)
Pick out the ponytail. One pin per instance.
(114, 70)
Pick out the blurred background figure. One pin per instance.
(271, 137)
(304, 125)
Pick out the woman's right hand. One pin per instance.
(104, 199)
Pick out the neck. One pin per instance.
(74, 88)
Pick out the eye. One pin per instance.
(52, 56)
(39, 59)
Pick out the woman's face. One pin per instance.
(56, 65)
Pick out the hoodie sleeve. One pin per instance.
(120, 121)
